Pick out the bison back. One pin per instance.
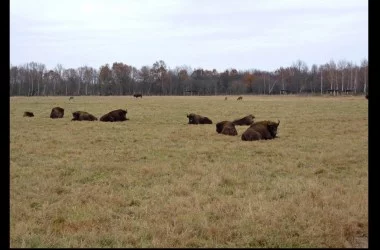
(57, 112)
(115, 115)
(205, 120)
(229, 130)
(219, 126)
(248, 120)
(251, 135)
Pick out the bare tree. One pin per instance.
(342, 66)
(59, 70)
(364, 65)
(40, 72)
(300, 73)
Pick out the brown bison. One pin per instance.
(226, 128)
(366, 96)
(137, 95)
(28, 114)
(198, 119)
(83, 116)
(57, 112)
(225, 98)
(117, 115)
(240, 98)
(248, 120)
(263, 130)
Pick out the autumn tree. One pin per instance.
(248, 79)
(105, 79)
(159, 73)
(121, 74)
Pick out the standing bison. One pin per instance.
(198, 119)
(137, 95)
(28, 114)
(117, 115)
(263, 130)
(57, 112)
(240, 98)
(226, 128)
(248, 120)
(83, 116)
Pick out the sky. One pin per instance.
(208, 34)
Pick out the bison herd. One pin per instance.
(112, 116)
(262, 130)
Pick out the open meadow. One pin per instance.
(156, 181)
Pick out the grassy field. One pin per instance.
(156, 181)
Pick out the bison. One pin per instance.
(248, 120)
(366, 96)
(57, 112)
(198, 119)
(137, 95)
(263, 130)
(225, 98)
(71, 98)
(226, 128)
(115, 116)
(240, 98)
(83, 116)
(28, 114)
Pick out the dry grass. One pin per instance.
(155, 181)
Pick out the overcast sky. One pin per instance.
(220, 34)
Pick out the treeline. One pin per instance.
(34, 79)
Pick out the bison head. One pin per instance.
(272, 127)
(191, 117)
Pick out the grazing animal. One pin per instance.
(226, 128)
(117, 115)
(83, 116)
(71, 98)
(248, 120)
(225, 98)
(240, 98)
(366, 96)
(28, 114)
(137, 95)
(263, 130)
(198, 119)
(57, 112)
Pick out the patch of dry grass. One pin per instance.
(155, 181)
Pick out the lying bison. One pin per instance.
(263, 130)
(226, 128)
(248, 120)
(198, 119)
(83, 116)
(117, 115)
(137, 95)
(28, 114)
(57, 112)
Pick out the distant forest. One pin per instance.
(34, 79)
